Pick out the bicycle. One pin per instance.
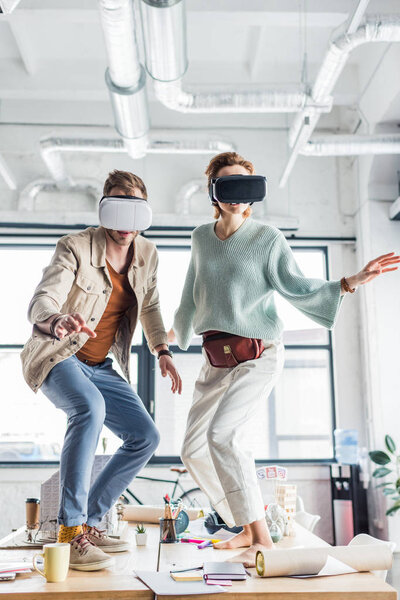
(194, 497)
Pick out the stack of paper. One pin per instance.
(9, 569)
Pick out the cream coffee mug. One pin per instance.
(56, 561)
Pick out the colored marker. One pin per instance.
(204, 544)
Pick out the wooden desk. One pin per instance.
(119, 583)
(355, 586)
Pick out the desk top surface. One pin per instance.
(119, 582)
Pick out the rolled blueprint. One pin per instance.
(309, 561)
(150, 514)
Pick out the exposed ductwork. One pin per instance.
(348, 145)
(26, 201)
(125, 76)
(375, 29)
(186, 193)
(164, 29)
(258, 100)
(7, 174)
(158, 142)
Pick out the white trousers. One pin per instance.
(216, 450)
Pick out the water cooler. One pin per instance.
(349, 503)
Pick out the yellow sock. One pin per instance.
(66, 534)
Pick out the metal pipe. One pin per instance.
(375, 29)
(258, 100)
(158, 142)
(28, 195)
(125, 76)
(186, 193)
(348, 145)
(164, 32)
(164, 35)
(7, 175)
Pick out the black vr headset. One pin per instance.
(238, 189)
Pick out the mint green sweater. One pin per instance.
(230, 285)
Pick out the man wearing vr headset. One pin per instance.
(236, 266)
(99, 283)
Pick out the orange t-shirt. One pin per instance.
(122, 297)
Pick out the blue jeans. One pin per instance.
(91, 397)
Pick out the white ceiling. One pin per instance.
(52, 62)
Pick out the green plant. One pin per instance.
(389, 464)
(140, 528)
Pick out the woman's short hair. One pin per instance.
(227, 159)
(125, 181)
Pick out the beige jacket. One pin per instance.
(77, 280)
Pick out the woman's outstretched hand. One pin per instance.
(375, 267)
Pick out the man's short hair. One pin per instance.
(125, 181)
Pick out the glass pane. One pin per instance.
(171, 409)
(31, 428)
(14, 325)
(299, 408)
(299, 329)
(174, 262)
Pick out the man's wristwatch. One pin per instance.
(165, 353)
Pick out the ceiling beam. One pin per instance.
(20, 26)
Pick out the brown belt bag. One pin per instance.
(227, 350)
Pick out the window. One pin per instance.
(295, 422)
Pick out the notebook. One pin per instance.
(194, 575)
(224, 570)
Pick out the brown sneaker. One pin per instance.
(85, 556)
(104, 542)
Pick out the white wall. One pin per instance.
(16, 485)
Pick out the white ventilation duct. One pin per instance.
(7, 174)
(26, 201)
(186, 193)
(348, 145)
(376, 29)
(158, 142)
(164, 32)
(125, 76)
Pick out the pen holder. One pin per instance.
(167, 531)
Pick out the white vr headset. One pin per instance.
(125, 213)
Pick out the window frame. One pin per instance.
(147, 361)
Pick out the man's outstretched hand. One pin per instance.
(71, 323)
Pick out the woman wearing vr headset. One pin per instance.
(236, 266)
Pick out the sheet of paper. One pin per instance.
(14, 565)
(219, 582)
(333, 566)
(163, 584)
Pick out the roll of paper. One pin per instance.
(150, 514)
(309, 561)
